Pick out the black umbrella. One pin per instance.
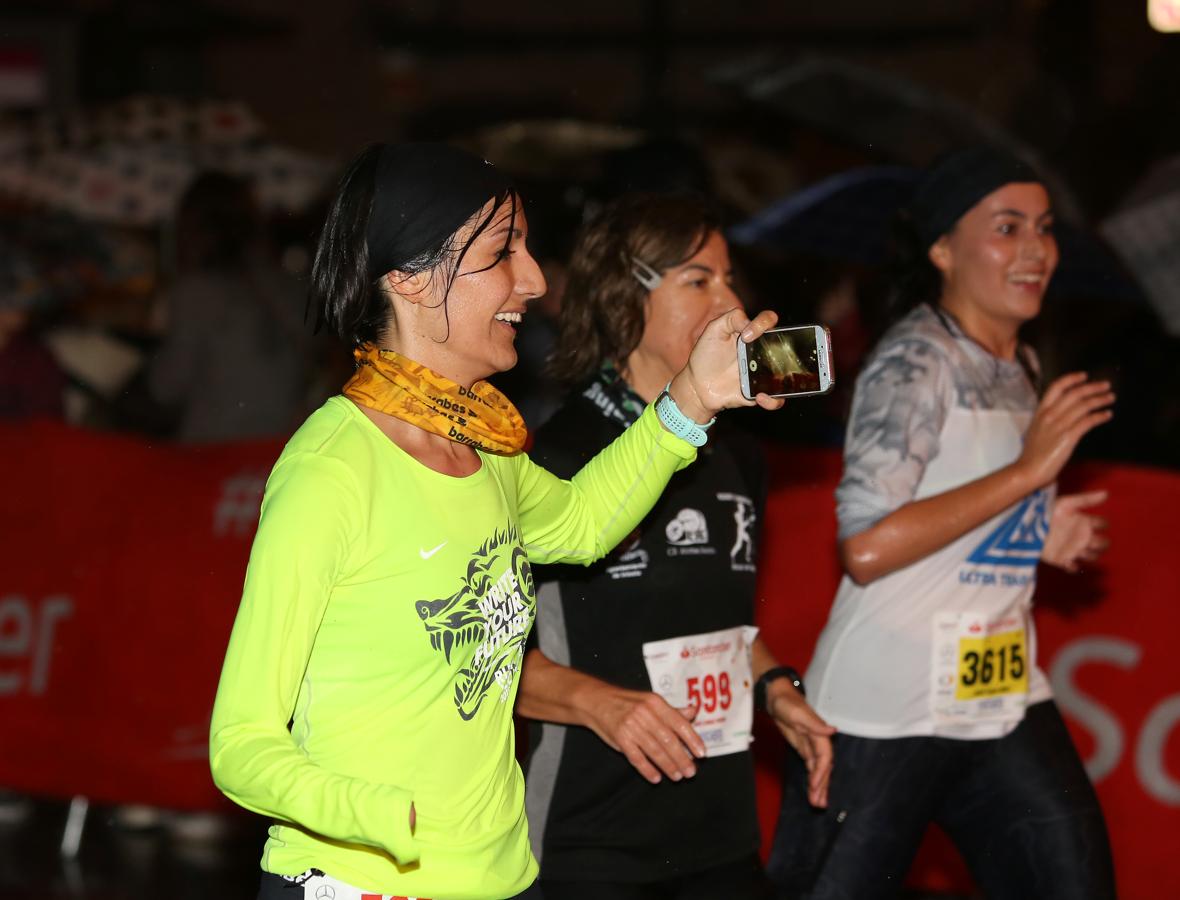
(873, 109)
(847, 218)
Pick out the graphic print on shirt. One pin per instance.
(688, 534)
(491, 612)
(608, 407)
(741, 555)
(631, 563)
(1017, 541)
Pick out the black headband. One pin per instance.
(422, 194)
(959, 180)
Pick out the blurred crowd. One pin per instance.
(163, 292)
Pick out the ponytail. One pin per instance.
(912, 277)
(343, 296)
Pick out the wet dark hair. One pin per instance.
(912, 278)
(346, 296)
(603, 310)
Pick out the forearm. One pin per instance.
(654, 737)
(624, 481)
(762, 660)
(582, 520)
(255, 761)
(551, 692)
(263, 771)
(922, 527)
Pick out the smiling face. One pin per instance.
(468, 332)
(997, 261)
(688, 298)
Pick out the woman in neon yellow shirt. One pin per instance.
(366, 696)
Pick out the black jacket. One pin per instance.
(689, 568)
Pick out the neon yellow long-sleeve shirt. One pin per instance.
(376, 652)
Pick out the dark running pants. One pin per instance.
(1020, 809)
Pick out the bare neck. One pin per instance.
(645, 375)
(998, 336)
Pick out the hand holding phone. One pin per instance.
(787, 362)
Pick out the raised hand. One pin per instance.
(709, 383)
(655, 737)
(1075, 536)
(810, 735)
(1070, 408)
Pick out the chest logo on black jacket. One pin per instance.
(741, 554)
(688, 534)
(483, 625)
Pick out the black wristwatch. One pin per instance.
(771, 675)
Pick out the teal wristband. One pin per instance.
(678, 423)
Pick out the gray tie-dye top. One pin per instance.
(922, 368)
(933, 411)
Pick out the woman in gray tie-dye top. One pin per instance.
(927, 664)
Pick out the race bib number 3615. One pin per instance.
(980, 667)
(992, 665)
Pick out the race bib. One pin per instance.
(319, 886)
(711, 671)
(980, 667)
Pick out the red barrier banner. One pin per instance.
(122, 570)
(122, 565)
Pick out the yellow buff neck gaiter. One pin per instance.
(481, 417)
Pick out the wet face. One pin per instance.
(687, 299)
(469, 334)
(997, 261)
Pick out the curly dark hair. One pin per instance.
(604, 308)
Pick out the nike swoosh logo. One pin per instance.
(426, 554)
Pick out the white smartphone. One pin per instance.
(787, 362)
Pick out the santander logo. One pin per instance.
(706, 650)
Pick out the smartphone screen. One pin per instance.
(787, 361)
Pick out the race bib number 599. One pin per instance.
(711, 672)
